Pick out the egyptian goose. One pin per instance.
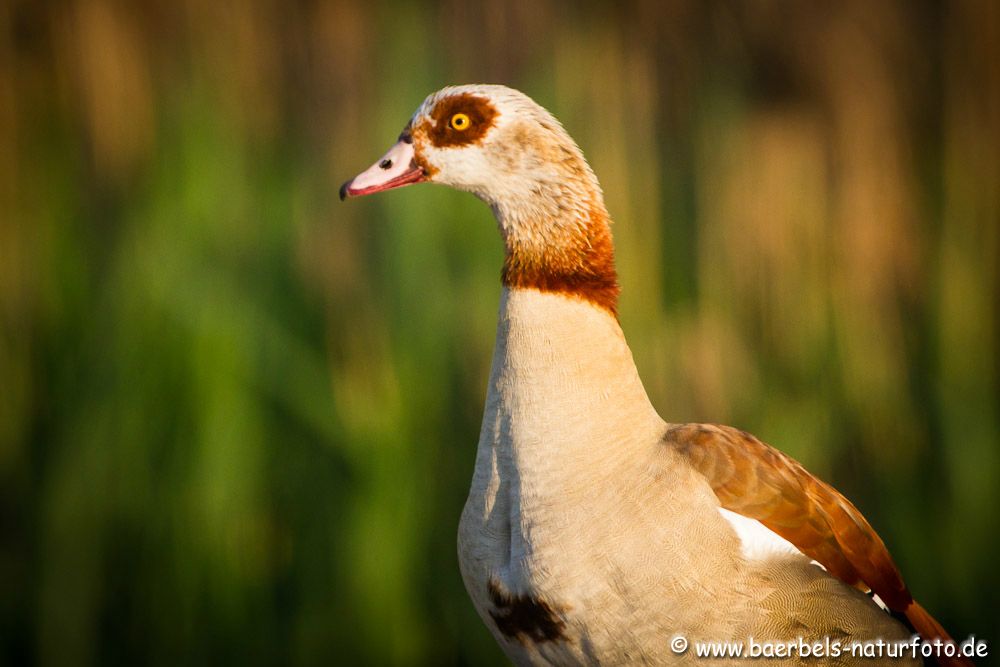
(595, 532)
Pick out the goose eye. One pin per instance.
(460, 122)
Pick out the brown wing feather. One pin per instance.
(759, 482)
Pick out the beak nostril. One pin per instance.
(385, 164)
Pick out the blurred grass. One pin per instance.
(237, 418)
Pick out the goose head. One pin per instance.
(507, 150)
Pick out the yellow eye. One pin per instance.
(460, 122)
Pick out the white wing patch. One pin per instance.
(757, 541)
(881, 605)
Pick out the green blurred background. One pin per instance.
(238, 418)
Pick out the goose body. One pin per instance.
(595, 532)
(588, 538)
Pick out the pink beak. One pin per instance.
(394, 169)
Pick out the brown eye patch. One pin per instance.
(481, 115)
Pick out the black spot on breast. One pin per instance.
(524, 617)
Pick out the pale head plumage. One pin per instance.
(524, 165)
(514, 155)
